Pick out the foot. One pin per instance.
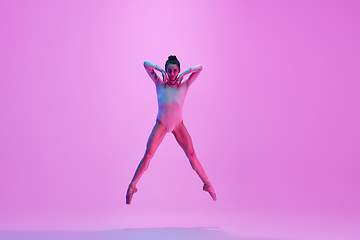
(129, 194)
(209, 188)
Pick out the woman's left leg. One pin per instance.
(183, 138)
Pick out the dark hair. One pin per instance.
(172, 60)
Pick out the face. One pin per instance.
(172, 71)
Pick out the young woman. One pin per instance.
(171, 91)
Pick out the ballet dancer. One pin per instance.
(171, 92)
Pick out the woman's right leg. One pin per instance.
(156, 137)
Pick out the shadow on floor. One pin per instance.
(127, 234)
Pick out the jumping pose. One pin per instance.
(171, 92)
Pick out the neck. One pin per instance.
(172, 82)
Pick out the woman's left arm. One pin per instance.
(194, 71)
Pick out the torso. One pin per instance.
(170, 101)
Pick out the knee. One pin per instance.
(191, 154)
(149, 154)
(145, 162)
(193, 160)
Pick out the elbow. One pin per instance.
(148, 65)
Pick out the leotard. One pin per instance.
(170, 100)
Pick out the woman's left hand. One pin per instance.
(180, 78)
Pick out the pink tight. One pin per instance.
(182, 137)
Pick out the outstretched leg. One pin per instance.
(156, 137)
(183, 138)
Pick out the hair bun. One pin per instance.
(172, 57)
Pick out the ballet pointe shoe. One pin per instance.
(209, 188)
(129, 194)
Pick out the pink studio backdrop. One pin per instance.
(274, 115)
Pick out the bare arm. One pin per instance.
(150, 67)
(194, 71)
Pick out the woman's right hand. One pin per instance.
(165, 76)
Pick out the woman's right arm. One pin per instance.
(150, 67)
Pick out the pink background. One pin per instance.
(274, 115)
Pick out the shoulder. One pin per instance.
(183, 87)
(160, 85)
